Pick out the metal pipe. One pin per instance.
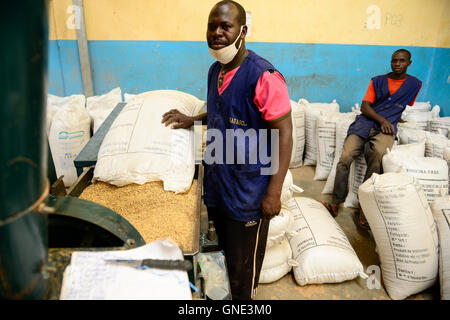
(83, 50)
(23, 158)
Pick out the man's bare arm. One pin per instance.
(271, 203)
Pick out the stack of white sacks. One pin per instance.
(422, 153)
(434, 165)
(298, 134)
(417, 182)
(416, 170)
(278, 255)
(312, 112)
(127, 154)
(421, 113)
(69, 122)
(422, 123)
(68, 131)
(304, 237)
(326, 130)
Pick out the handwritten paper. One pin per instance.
(90, 277)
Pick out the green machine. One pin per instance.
(31, 219)
(24, 183)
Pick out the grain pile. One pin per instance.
(155, 213)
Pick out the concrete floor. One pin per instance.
(363, 243)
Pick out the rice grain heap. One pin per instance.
(154, 212)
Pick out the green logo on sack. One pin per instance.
(65, 135)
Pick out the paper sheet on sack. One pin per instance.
(89, 277)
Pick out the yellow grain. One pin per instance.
(154, 212)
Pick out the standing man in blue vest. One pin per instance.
(374, 130)
(247, 94)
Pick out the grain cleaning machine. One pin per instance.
(92, 225)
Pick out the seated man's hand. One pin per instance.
(181, 120)
(270, 206)
(387, 127)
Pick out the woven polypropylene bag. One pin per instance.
(138, 148)
(405, 234)
(319, 245)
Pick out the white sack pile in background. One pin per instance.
(435, 142)
(421, 113)
(447, 158)
(298, 134)
(326, 144)
(440, 125)
(408, 132)
(435, 145)
(358, 169)
(355, 179)
(431, 173)
(420, 106)
(68, 129)
(343, 123)
(311, 111)
(99, 107)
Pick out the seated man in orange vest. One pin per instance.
(374, 130)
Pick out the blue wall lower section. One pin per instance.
(316, 72)
(64, 72)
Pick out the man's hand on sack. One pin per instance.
(180, 120)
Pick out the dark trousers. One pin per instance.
(244, 248)
(374, 148)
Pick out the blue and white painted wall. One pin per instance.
(326, 49)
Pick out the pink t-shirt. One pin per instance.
(271, 94)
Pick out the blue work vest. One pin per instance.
(236, 188)
(387, 106)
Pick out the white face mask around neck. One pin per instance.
(225, 55)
